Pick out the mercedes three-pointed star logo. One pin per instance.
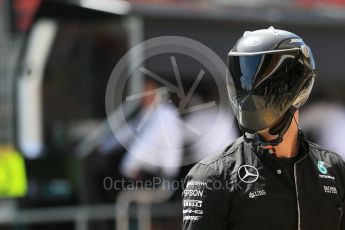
(248, 174)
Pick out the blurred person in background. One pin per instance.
(272, 177)
(215, 119)
(325, 123)
(153, 139)
(157, 150)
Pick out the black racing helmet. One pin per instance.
(271, 72)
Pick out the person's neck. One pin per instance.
(289, 147)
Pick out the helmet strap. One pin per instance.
(283, 126)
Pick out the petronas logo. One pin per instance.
(322, 168)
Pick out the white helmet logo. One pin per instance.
(253, 41)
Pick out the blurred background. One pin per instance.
(60, 160)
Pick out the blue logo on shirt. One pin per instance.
(322, 168)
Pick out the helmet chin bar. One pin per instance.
(279, 130)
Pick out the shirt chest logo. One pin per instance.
(322, 168)
(256, 194)
(330, 189)
(248, 174)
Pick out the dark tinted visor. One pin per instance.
(259, 81)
